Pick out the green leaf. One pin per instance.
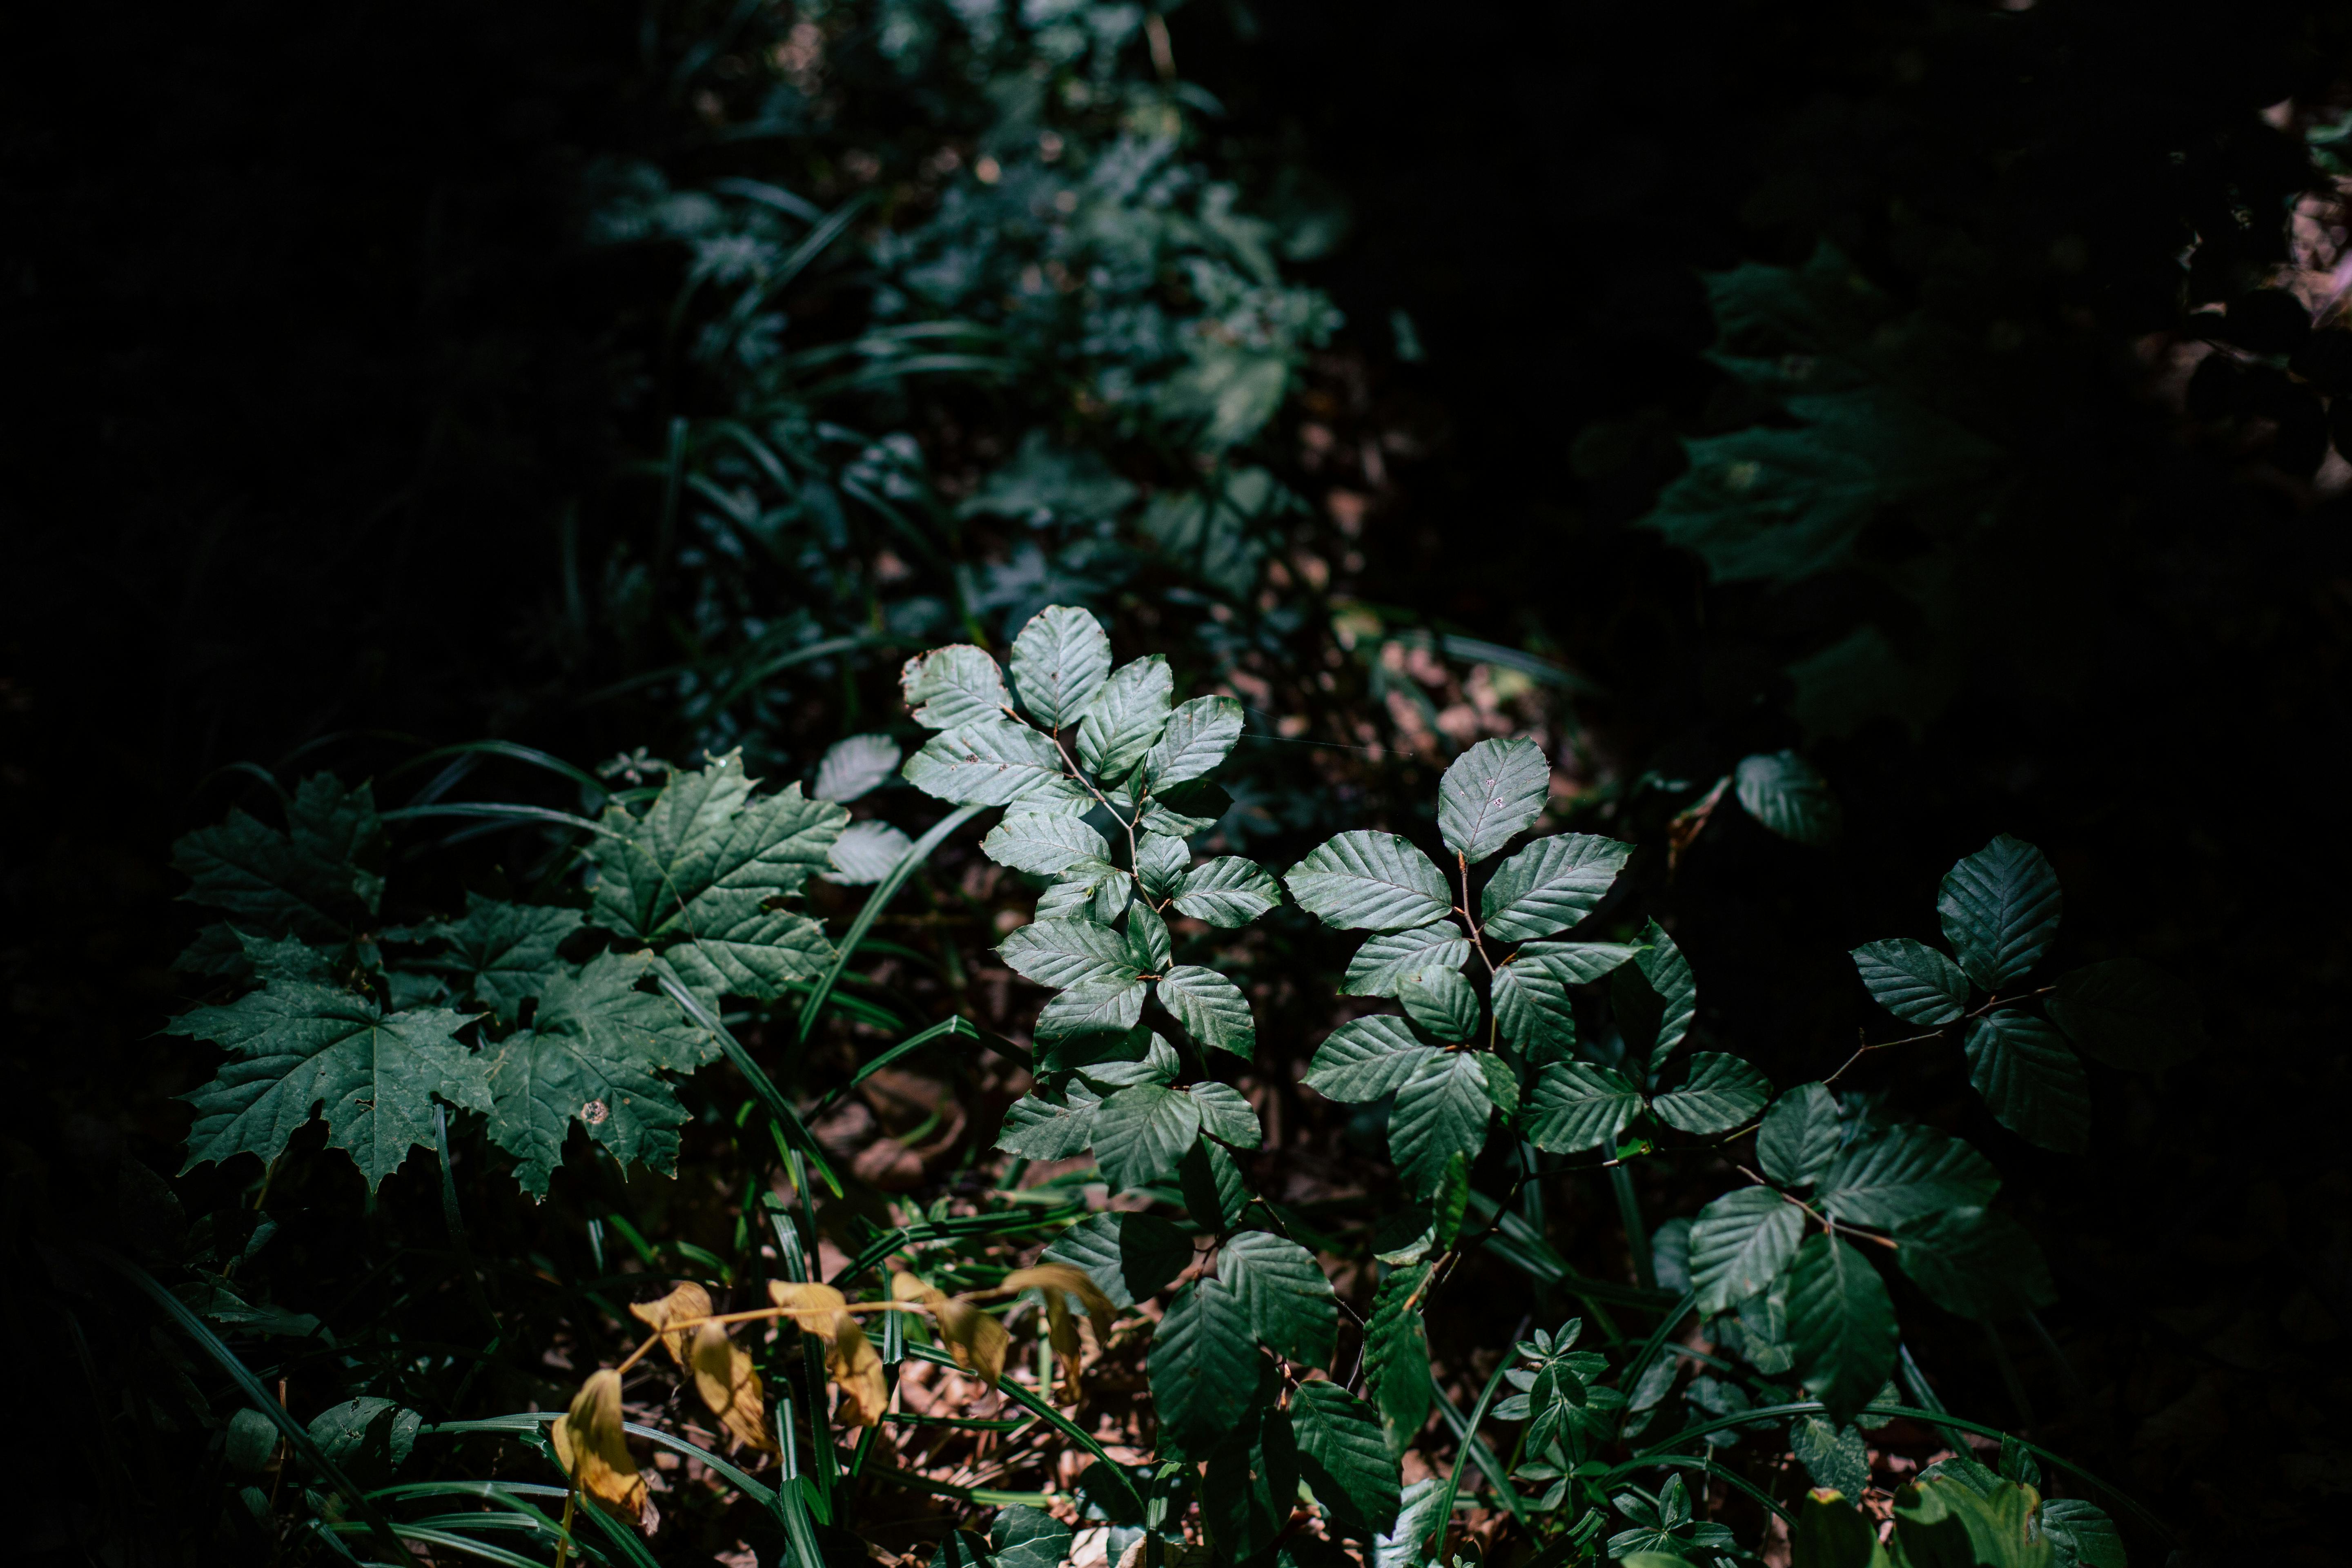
(949, 688)
(1204, 1363)
(1789, 795)
(1902, 1174)
(1251, 1484)
(1059, 661)
(1721, 1093)
(1549, 885)
(1183, 810)
(1160, 863)
(1577, 963)
(1401, 1546)
(1665, 976)
(1575, 1106)
(1110, 1062)
(1133, 1256)
(2034, 1084)
(1940, 1520)
(1096, 1007)
(1739, 1244)
(1039, 1127)
(1396, 1356)
(1225, 1115)
(1045, 843)
(307, 881)
(1226, 891)
(1199, 734)
(1365, 1059)
(855, 766)
(1490, 795)
(298, 1048)
(1126, 717)
(1975, 1262)
(1442, 1109)
(865, 853)
(1141, 1132)
(1443, 1001)
(1832, 1533)
(1367, 880)
(1290, 1303)
(1842, 1324)
(2081, 1535)
(1211, 1187)
(1343, 1459)
(1148, 946)
(1388, 959)
(996, 765)
(2129, 1015)
(1913, 981)
(1068, 953)
(1211, 1007)
(1502, 1082)
(1026, 1536)
(1835, 1457)
(503, 954)
(1999, 908)
(1799, 1135)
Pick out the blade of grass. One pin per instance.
(908, 1480)
(786, 1118)
(508, 749)
(1462, 1455)
(959, 1028)
(442, 1538)
(526, 1421)
(491, 809)
(884, 891)
(1047, 1414)
(1464, 1430)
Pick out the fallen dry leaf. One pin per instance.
(594, 1451)
(684, 1304)
(725, 1378)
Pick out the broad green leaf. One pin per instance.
(503, 955)
(1204, 1363)
(1226, 1116)
(853, 766)
(1211, 1187)
(1575, 1106)
(1999, 908)
(1039, 1127)
(1148, 945)
(1502, 1082)
(1670, 1250)
(1059, 661)
(1365, 1059)
(1364, 880)
(1160, 863)
(1789, 795)
(1939, 1519)
(1183, 810)
(1226, 891)
(1251, 1484)
(1130, 1255)
(1290, 1303)
(1068, 953)
(369, 1436)
(298, 1048)
(1141, 1132)
(1549, 885)
(1075, 896)
(1396, 1355)
(1577, 961)
(1656, 999)
(865, 853)
(1126, 717)
(308, 881)
(1211, 1007)
(1835, 1457)
(949, 688)
(1109, 1061)
(1096, 1007)
(1440, 1000)
(1026, 1536)
(1199, 734)
(1904, 1173)
(1045, 843)
(1442, 1109)
(1387, 959)
(1975, 1262)
(1401, 1546)
(1799, 1135)
(2129, 1015)
(2081, 1535)
(1842, 1324)
(1832, 1533)
(1739, 1244)
(2033, 1083)
(1343, 1459)
(996, 765)
(1721, 1093)
(1490, 795)
(1913, 981)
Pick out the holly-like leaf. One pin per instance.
(1396, 1355)
(1060, 661)
(1902, 1174)
(1441, 1002)
(1976, 1262)
(299, 1048)
(1364, 880)
(1913, 981)
(503, 955)
(308, 881)
(1343, 1459)
(1126, 717)
(1739, 1244)
(949, 688)
(1721, 1093)
(1490, 795)
(1160, 863)
(2033, 1083)
(1365, 1059)
(2129, 1015)
(996, 765)
(1068, 953)
(1799, 1137)
(1131, 1257)
(1198, 736)
(1141, 1132)
(1575, 1106)
(1842, 1324)
(865, 853)
(1999, 908)
(1225, 1115)
(1024, 1537)
(1442, 1109)
(1290, 1303)
(1039, 1127)
(1045, 843)
(1549, 885)
(855, 766)
(1204, 1363)
(1226, 891)
(1789, 795)
(1531, 1005)
(1211, 1007)
(1387, 960)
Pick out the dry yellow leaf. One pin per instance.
(684, 1304)
(1057, 1277)
(856, 1366)
(723, 1376)
(908, 1288)
(978, 1339)
(812, 1308)
(594, 1451)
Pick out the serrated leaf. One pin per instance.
(1148, 945)
(1160, 863)
(2129, 1015)
(1575, 1106)
(1841, 1324)
(1024, 1537)
(865, 853)
(1913, 981)
(1226, 891)
(1387, 959)
(1443, 1001)
(1042, 1127)
(1126, 717)
(1789, 795)
(1364, 880)
(1835, 1457)
(1531, 1005)
(1365, 1059)
(1110, 1062)
(1060, 661)
(299, 1048)
(503, 955)
(1902, 1174)
(1721, 1093)
(1225, 1115)
(1577, 963)
(949, 688)
(1131, 1257)
(1799, 1137)
(2034, 1084)
(1396, 1356)
(2081, 1535)
(308, 881)
(1739, 1244)
(1204, 1363)
(1044, 844)
(1068, 953)
(1343, 1459)
(1096, 1007)
(1442, 1109)
(853, 766)
(1490, 795)
(1183, 810)
(996, 765)
(1211, 1007)
(1550, 884)
(1975, 1262)
(1199, 734)
(1999, 908)
(1075, 897)
(1211, 1187)
(1290, 1303)
(1141, 1132)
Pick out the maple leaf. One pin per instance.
(308, 881)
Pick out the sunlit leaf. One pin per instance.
(1211, 1007)
(1721, 1093)
(1291, 1304)
(952, 687)
(1550, 884)
(686, 1302)
(1060, 661)
(996, 765)
(1368, 880)
(1575, 1106)
(1046, 844)
(852, 767)
(1442, 1109)
(593, 1450)
(724, 1377)
(1141, 1132)
(1125, 717)
(1365, 1059)
(1490, 795)
(1226, 891)
(1198, 736)
(1739, 1244)
(1441, 1002)
(1388, 958)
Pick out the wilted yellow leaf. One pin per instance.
(684, 1304)
(723, 1376)
(855, 1366)
(978, 1339)
(812, 1308)
(594, 1451)
(1055, 1277)
(908, 1288)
